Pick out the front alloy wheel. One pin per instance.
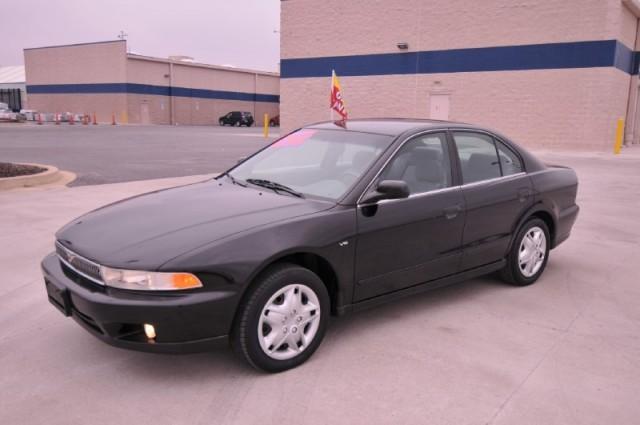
(289, 322)
(283, 319)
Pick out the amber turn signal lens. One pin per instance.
(185, 281)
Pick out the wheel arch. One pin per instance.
(309, 260)
(540, 211)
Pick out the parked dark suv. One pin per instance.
(237, 118)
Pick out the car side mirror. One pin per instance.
(387, 189)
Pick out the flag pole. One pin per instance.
(333, 72)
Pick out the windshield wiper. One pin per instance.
(275, 186)
(233, 179)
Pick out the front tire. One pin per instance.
(221, 123)
(283, 319)
(529, 254)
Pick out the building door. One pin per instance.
(439, 104)
(144, 113)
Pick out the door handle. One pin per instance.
(452, 212)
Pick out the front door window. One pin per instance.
(423, 163)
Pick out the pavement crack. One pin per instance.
(19, 287)
(565, 332)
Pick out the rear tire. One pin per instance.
(283, 320)
(529, 254)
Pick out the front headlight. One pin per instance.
(148, 281)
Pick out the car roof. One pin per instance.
(387, 126)
(397, 126)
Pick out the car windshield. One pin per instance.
(320, 163)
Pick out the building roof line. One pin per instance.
(136, 56)
(75, 44)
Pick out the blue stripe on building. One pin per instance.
(582, 54)
(148, 89)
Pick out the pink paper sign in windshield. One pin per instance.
(295, 139)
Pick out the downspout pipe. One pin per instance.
(631, 123)
(171, 117)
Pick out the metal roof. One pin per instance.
(12, 74)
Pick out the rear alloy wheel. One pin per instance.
(284, 319)
(529, 254)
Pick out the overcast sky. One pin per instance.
(221, 32)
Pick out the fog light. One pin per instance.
(150, 331)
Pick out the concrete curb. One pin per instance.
(50, 175)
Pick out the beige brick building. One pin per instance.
(548, 73)
(103, 78)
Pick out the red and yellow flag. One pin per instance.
(337, 103)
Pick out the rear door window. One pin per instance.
(509, 161)
(478, 156)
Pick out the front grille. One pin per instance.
(79, 264)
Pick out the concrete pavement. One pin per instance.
(563, 351)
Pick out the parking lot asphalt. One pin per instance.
(112, 154)
(563, 351)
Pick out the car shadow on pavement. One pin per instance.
(448, 296)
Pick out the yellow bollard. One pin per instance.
(265, 129)
(619, 134)
(124, 119)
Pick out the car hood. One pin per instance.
(148, 230)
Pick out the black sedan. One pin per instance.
(329, 219)
(237, 119)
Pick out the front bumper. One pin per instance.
(184, 323)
